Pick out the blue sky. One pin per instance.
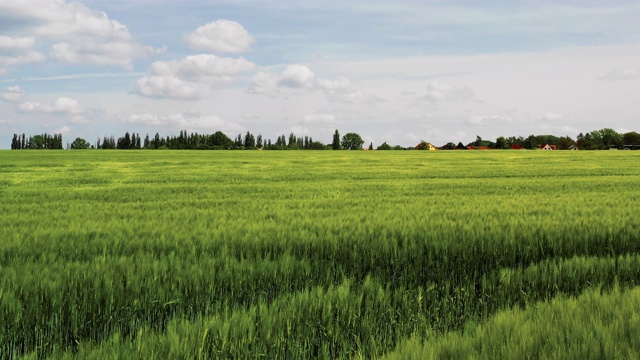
(399, 72)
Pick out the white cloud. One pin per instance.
(293, 79)
(77, 34)
(17, 43)
(412, 137)
(17, 51)
(264, 82)
(489, 120)
(80, 120)
(552, 117)
(168, 86)
(223, 36)
(442, 91)
(63, 130)
(342, 90)
(319, 119)
(107, 54)
(300, 130)
(339, 85)
(12, 94)
(569, 130)
(191, 77)
(297, 76)
(62, 105)
(622, 74)
(190, 121)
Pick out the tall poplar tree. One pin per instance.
(335, 145)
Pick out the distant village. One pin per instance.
(460, 146)
(604, 139)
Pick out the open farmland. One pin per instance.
(337, 254)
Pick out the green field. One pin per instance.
(329, 254)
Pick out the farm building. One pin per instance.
(548, 147)
(425, 146)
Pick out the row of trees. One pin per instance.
(216, 141)
(595, 140)
(36, 142)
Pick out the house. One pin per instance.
(516, 147)
(425, 146)
(548, 147)
(478, 148)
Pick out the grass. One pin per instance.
(181, 254)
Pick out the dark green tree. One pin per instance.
(249, 141)
(501, 143)
(293, 140)
(566, 143)
(631, 138)
(352, 141)
(239, 141)
(335, 145)
(37, 142)
(384, 146)
(531, 142)
(607, 138)
(80, 143)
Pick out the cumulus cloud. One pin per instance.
(224, 36)
(12, 94)
(62, 105)
(190, 121)
(76, 34)
(293, 78)
(298, 78)
(191, 77)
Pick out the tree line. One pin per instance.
(36, 142)
(596, 140)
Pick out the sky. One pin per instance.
(392, 71)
